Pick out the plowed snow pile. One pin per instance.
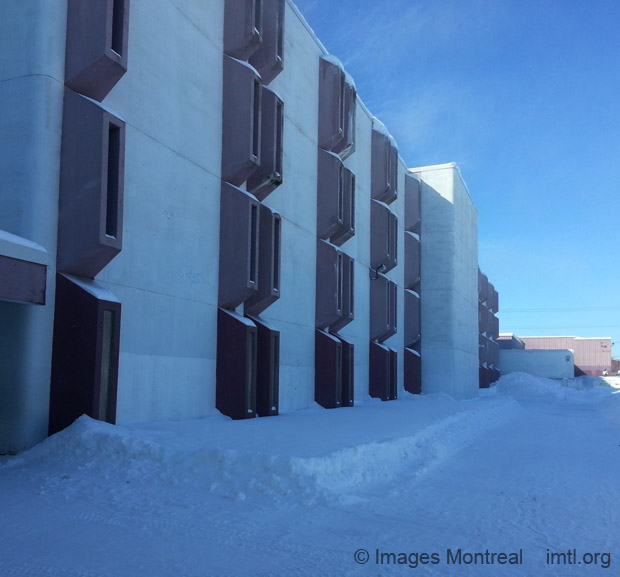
(531, 466)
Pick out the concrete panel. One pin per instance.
(31, 92)
(33, 39)
(172, 91)
(558, 364)
(167, 279)
(449, 283)
(167, 361)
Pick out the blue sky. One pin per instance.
(525, 96)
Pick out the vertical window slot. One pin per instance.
(394, 315)
(258, 16)
(275, 361)
(279, 136)
(341, 104)
(112, 192)
(253, 243)
(339, 374)
(107, 360)
(256, 121)
(352, 203)
(351, 287)
(341, 193)
(251, 365)
(339, 276)
(388, 237)
(118, 25)
(280, 31)
(276, 253)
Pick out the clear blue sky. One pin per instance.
(525, 96)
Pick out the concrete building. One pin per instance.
(551, 364)
(199, 213)
(588, 356)
(592, 355)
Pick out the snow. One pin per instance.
(529, 468)
(20, 248)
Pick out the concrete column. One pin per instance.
(31, 92)
(449, 283)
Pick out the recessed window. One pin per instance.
(279, 130)
(251, 372)
(412, 204)
(268, 175)
(107, 365)
(96, 47)
(351, 269)
(112, 195)
(384, 167)
(341, 194)
(253, 243)
(256, 121)
(276, 253)
(258, 16)
(339, 275)
(383, 237)
(241, 122)
(91, 187)
(269, 251)
(118, 26)
(239, 245)
(243, 27)
(268, 58)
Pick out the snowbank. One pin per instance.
(310, 454)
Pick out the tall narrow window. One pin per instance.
(352, 202)
(118, 25)
(339, 276)
(388, 238)
(253, 243)
(273, 375)
(256, 121)
(114, 150)
(258, 16)
(280, 31)
(394, 314)
(351, 286)
(279, 137)
(107, 359)
(388, 308)
(339, 375)
(342, 105)
(341, 193)
(251, 360)
(276, 253)
(96, 47)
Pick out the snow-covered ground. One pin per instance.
(528, 473)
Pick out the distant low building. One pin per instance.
(592, 355)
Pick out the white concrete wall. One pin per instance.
(358, 247)
(167, 273)
(449, 283)
(295, 200)
(32, 42)
(552, 364)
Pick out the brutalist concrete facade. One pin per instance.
(202, 214)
